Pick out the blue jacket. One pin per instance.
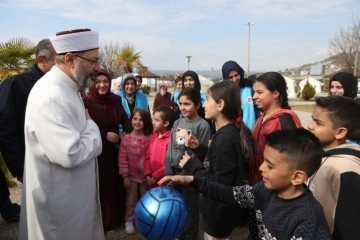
(250, 112)
(141, 101)
(247, 106)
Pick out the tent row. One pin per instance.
(206, 83)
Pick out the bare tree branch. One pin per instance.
(108, 51)
(345, 45)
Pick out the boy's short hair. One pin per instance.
(343, 112)
(302, 148)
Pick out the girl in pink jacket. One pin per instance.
(163, 120)
(131, 162)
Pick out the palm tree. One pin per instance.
(129, 59)
(16, 55)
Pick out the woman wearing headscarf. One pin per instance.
(106, 110)
(162, 98)
(131, 97)
(343, 84)
(190, 79)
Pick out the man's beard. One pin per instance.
(82, 79)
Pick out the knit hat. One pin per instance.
(194, 76)
(348, 81)
(77, 40)
(125, 78)
(230, 66)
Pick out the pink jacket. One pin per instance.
(155, 155)
(132, 155)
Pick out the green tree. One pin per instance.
(128, 59)
(308, 91)
(16, 55)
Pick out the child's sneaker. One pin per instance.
(129, 228)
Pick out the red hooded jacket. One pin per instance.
(282, 119)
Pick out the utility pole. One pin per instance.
(356, 54)
(248, 67)
(356, 62)
(188, 60)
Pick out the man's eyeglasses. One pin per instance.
(95, 62)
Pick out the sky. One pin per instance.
(284, 33)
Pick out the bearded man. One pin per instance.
(60, 195)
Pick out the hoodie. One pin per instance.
(141, 100)
(250, 112)
(336, 186)
(194, 76)
(281, 119)
(348, 82)
(125, 78)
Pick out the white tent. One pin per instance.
(313, 82)
(205, 83)
(290, 83)
(115, 83)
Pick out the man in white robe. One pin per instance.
(60, 193)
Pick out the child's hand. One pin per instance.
(126, 182)
(184, 160)
(192, 142)
(169, 180)
(150, 180)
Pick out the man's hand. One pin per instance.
(169, 180)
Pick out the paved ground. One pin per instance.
(10, 231)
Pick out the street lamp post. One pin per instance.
(188, 60)
(249, 27)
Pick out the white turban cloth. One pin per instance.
(76, 41)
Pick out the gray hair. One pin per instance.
(44, 48)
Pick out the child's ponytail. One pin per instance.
(230, 94)
(247, 142)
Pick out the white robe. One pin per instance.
(60, 193)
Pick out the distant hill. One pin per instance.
(211, 74)
(326, 62)
(217, 74)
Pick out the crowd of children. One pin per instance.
(278, 171)
(237, 153)
(302, 183)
